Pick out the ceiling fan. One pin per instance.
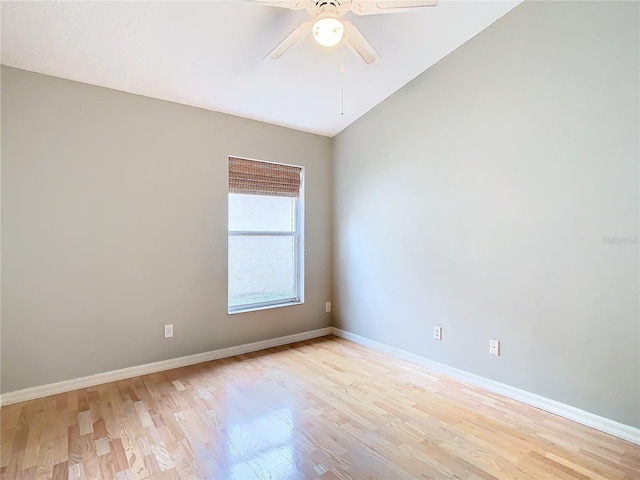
(327, 27)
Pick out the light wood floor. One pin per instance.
(324, 408)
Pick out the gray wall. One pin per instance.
(477, 198)
(114, 223)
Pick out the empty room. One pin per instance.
(342, 239)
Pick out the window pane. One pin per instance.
(261, 269)
(261, 213)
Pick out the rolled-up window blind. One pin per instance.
(252, 177)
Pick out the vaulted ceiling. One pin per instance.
(212, 54)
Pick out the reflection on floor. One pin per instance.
(324, 408)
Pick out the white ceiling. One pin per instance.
(211, 54)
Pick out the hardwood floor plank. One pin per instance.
(162, 457)
(106, 468)
(132, 453)
(76, 472)
(85, 422)
(323, 408)
(102, 446)
(118, 455)
(60, 471)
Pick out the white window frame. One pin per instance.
(299, 254)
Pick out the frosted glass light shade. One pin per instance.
(328, 31)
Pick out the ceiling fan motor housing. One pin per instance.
(327, 8)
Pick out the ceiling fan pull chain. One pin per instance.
(342, 79)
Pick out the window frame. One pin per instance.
(299, 253)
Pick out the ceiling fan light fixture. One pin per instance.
(328, 31)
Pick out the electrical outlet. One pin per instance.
(168, 330)
(494, 347)
(327, 307)
(437, 333)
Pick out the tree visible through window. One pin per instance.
(265, 234)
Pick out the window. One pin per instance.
(266, 224)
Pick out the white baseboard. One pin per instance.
(606, 425)
(123, 373)
(603, 424)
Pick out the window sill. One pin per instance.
(265, 307)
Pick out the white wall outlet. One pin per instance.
(437, 333)
(168, 330)
(327, 307)
(494, 347)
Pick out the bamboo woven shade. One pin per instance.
(252, 177)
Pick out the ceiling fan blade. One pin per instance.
(291, 4)
(358, 44)
(294, 37)
(371, 7)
